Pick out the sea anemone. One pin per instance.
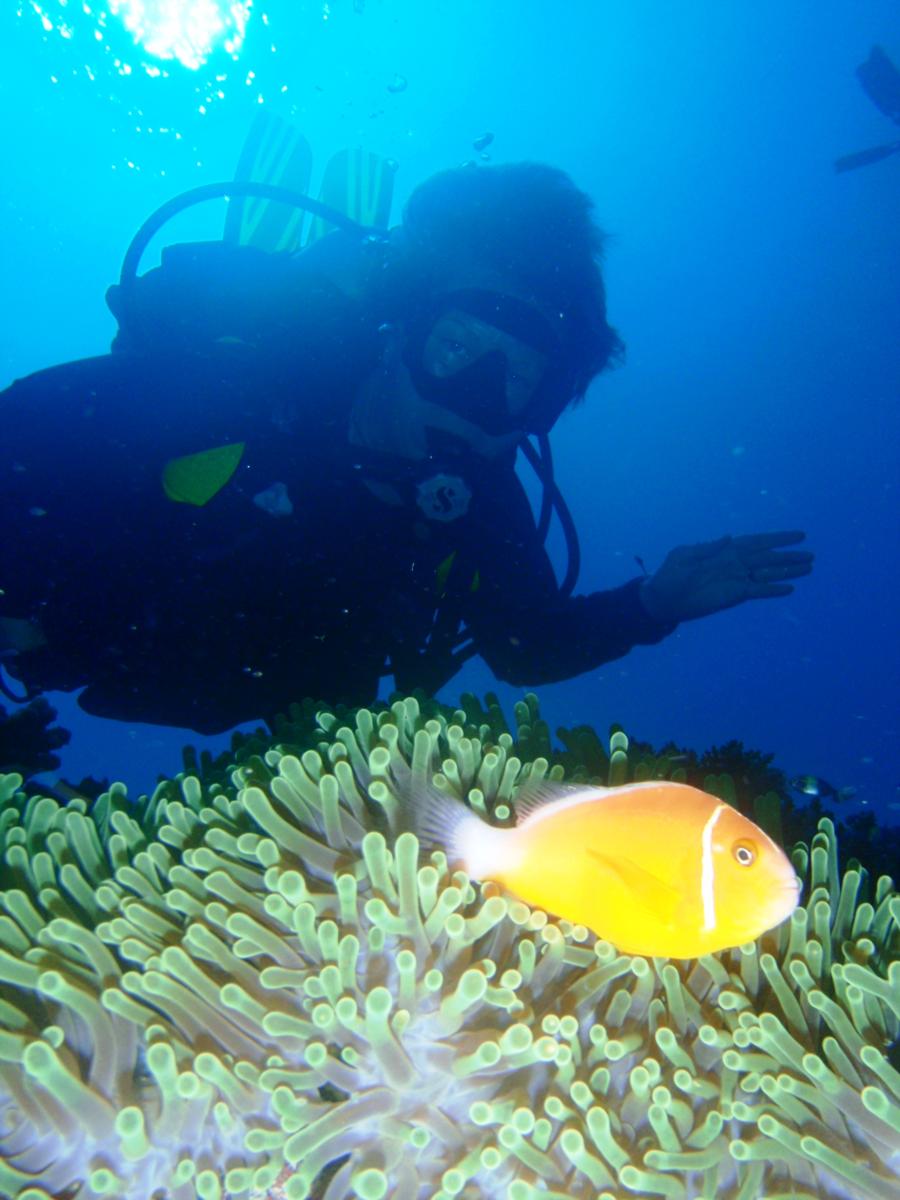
(261, 986)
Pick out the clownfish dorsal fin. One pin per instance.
(648, 889)
(534, 797)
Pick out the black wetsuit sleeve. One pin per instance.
(526, 631)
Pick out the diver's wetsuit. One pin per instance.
(205, 616)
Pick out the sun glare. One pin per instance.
(186, 30)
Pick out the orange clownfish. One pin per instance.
(656, 868)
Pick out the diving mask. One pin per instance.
(492, 359)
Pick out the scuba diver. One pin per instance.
(295, 471)
(880, 80)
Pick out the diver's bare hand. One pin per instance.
(695, 581)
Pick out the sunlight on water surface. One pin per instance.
(187, 31)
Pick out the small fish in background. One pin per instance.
(18, 635)
(482, 142)
(656, 868)
(814, 785)
(398, 83)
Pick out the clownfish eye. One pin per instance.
(744, 853)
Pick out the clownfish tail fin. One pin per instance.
(442, 822)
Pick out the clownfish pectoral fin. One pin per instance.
(648, 889)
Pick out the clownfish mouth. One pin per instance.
(786, 899)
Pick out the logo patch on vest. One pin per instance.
(443, 497)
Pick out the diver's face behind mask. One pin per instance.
(459, 341)
(490, 359)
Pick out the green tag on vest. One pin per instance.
(196, 478)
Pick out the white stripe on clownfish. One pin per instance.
(707, 870)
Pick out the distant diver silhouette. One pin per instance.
(880, 80)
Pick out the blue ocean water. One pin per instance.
(756, 289)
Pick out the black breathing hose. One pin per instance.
(541, 462)
(219, 191)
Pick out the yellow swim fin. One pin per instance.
(359, 184)
(196, 478)
(274, 152)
